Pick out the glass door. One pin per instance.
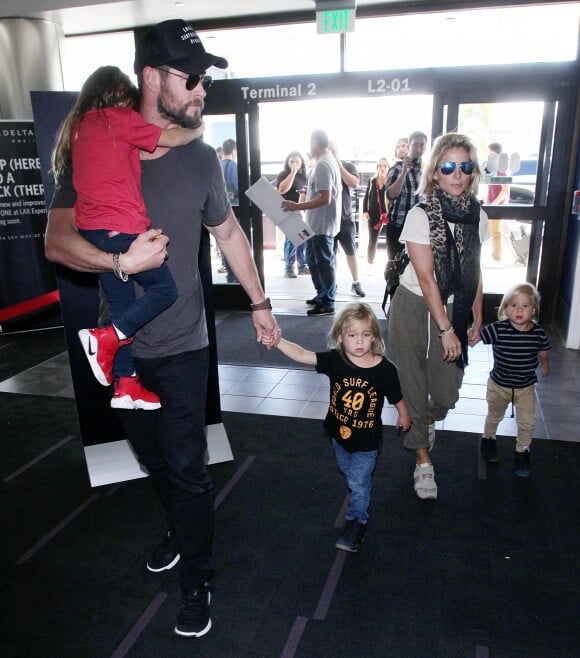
(229, 134)
(515, 141)
(508, 137)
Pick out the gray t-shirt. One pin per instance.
(325, 175)
(183, 190)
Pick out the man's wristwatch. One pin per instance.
(262, 306)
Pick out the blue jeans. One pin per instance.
(171, 444)
(294, 254)
(127, 312)
(357, 468)
(320, 259)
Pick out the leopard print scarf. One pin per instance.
(456, 256)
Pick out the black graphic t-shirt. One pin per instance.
(356, 400)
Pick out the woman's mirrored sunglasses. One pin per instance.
(192, 80)
(449, 167)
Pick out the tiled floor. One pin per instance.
(304, 394)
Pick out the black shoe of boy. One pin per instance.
(488, 448)
(523, 464)
(352, 536)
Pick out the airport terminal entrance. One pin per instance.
(528, 114)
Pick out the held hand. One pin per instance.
(267, 330)
(451, 347)
(147, 252)
(473, 336)
(545, 371)
(289, 205)
(403, 422)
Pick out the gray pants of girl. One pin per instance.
(430, 386)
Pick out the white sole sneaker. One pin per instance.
(425, 486)
(127, 402)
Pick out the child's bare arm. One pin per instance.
(544, 357)
(171, 137)
(404, 419)
(297, 353)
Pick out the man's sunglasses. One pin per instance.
(449, 167)
(192, 80)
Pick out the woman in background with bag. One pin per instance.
(441, 285)
(375, 208)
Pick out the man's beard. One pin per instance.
(180, 115)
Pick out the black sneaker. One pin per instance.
(352, 536)
(312, 302)
(488, 448)
(356, 289)
(320, 310)
(165, 555)
(523, 464)
(194, 618)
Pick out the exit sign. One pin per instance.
(335, 21)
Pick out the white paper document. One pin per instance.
(269, 200)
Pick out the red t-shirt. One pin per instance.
(107, 169)
(493, 191)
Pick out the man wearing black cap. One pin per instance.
(183, 190)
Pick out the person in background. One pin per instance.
(346, 236)
(518, 342)
(291, 183)
(375, 208)
(401, 149)
(360, 379)
(184, 191)
(323, 210)
(220, 152)
(402, 183)
(429, 315)
(497, 195)
(230, 170)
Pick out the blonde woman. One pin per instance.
(375, 207)
(430, 312)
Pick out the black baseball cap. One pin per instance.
(174, 43)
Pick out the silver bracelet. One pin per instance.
(117, 269)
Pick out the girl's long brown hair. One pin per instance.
(106, 87)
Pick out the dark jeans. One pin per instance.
(374, 234)
(320, 259)
(127, 312)
(171, 444)
(294, 254)
(393, 245)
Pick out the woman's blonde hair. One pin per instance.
(524, 289)
(440, 145)
(351, 314)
